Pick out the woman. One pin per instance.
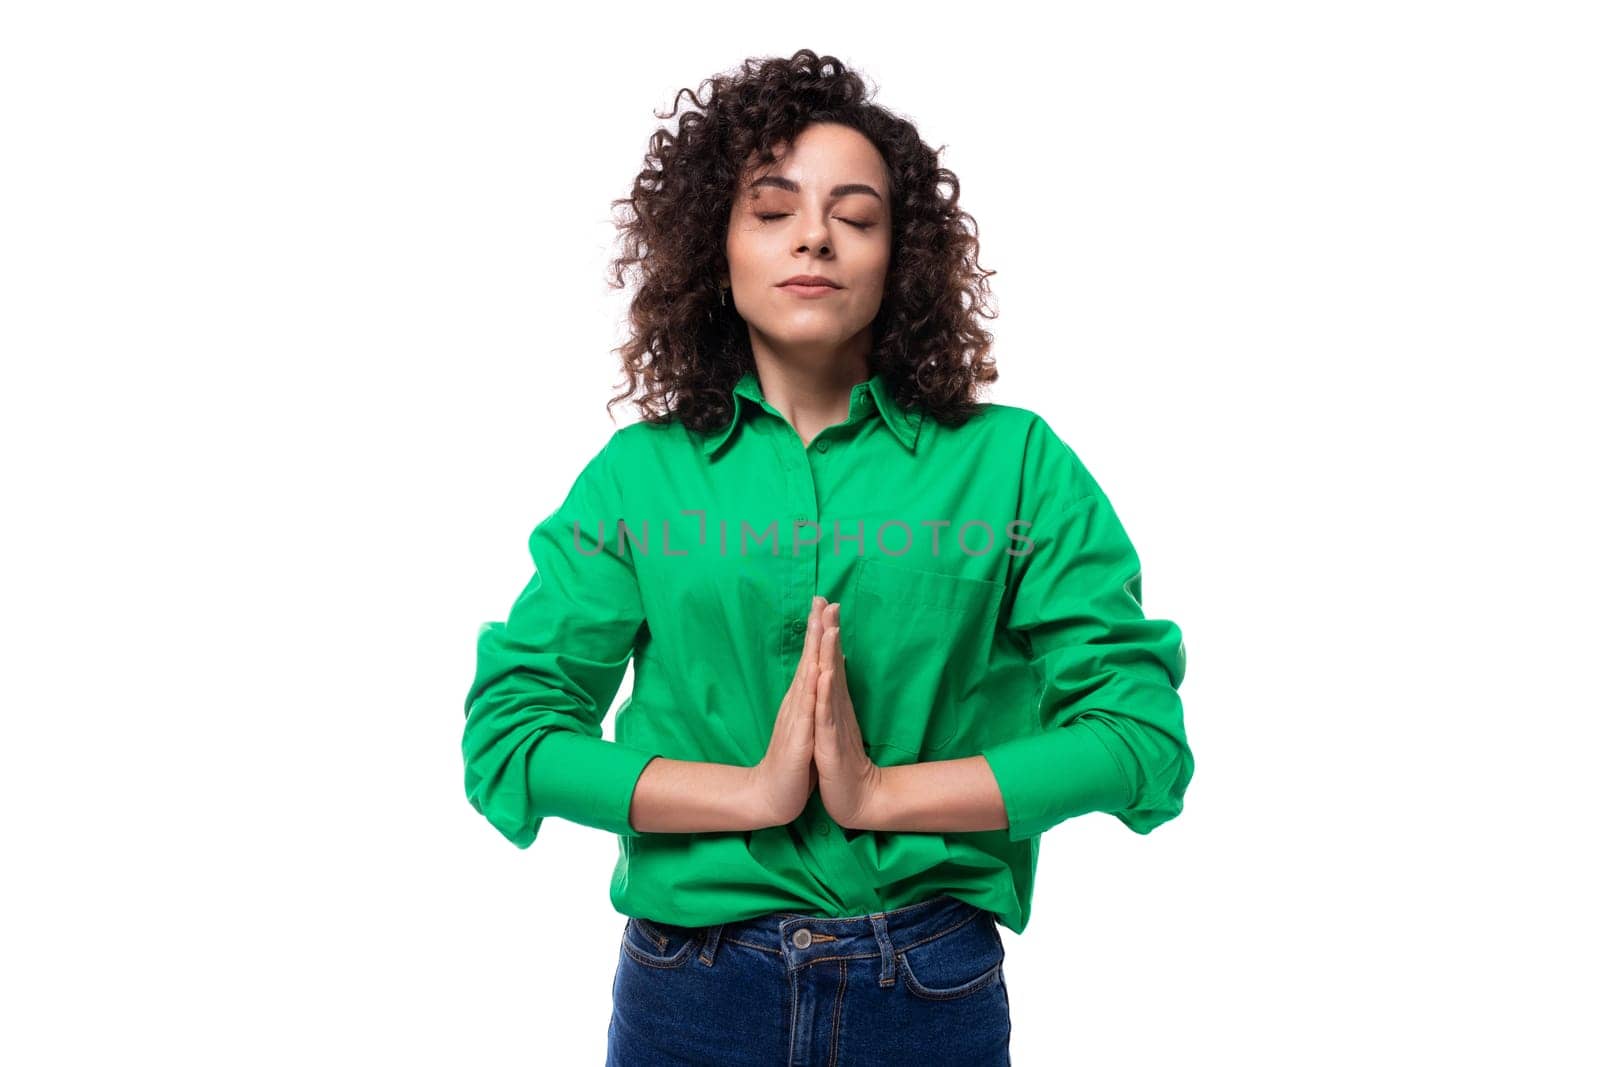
(884, 635)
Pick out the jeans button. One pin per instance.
(802, 938)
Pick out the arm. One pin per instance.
(689, 797)
(546, 676)
(1113, 737)
(955, 795)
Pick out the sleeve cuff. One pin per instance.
(1047, 778)
(587, 780)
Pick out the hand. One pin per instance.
(849, 780)
(783, 780)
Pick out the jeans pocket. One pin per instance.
(956, 963)
(659, 944)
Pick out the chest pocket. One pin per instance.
(916, 647)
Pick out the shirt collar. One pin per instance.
(875, 391)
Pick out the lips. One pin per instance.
(808, 292)
(809, 281)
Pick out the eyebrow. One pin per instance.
(837, 191)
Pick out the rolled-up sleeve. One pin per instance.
(546, 676)
(1113, 736)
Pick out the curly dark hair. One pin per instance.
(688, 350)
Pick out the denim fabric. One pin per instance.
(918, 985)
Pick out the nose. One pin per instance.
(817, 238)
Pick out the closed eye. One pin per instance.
(768, 216)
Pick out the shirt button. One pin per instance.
(826, 829)
(802, 938)
(798, 626)
(822, 446)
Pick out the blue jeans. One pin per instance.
(918, 985)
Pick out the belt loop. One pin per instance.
(880, 930)
(708, 948)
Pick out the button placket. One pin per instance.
(801, 496)
(843, 867)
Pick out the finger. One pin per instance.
(808, 650)
(833, 620)
(850, 724)
(808, 654)
(808, 686)
(835, 671)
(824, 701)
(839, 697)
(825, 681)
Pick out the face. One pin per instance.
(822, 209)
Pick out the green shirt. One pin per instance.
(989, 604)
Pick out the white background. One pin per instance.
(306, 325)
